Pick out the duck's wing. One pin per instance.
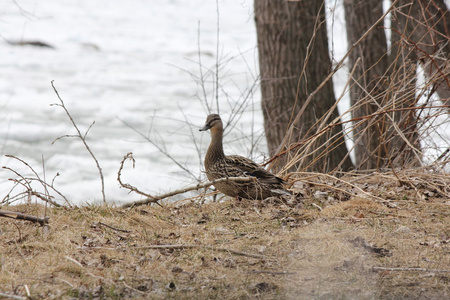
(250, 168)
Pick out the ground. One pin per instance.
(330, 243)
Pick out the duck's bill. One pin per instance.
(204, 128)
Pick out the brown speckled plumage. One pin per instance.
(218, 165)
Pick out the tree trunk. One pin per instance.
(368, 86)
(420, 35)
(403, 77)
(294, 60)
(382, 83)
(428, 24)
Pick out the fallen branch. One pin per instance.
(21, 216)
(188, 246)
(13, 296)
(271, 272)
(155, 199)
(411, 269)
(98, 224)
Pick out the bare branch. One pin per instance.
(83, 139)
(155, 199)
(26, 183)
(338, 66)
(160, 149)
(217, 58)
(382, 112)
(65, 136)
(150, 198)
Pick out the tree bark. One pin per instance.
(428, 24)
(368, 86)
(294, 60)
(403, 78)
(382, 81)
(420, 36)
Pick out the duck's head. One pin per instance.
(213, 122)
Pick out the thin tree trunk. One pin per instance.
(403, 76)
(428, 24)
(368, 86)
(292, 37)
(382, 81)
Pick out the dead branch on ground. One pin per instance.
(99, 224)
(271, 272)
(188, 246)
(155, 199)
(21, 216)
(13, 296)
(411, 269)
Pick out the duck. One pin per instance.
(264, 184)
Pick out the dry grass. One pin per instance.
(301, 251)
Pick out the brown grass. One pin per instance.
(305, 253)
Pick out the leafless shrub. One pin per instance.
(212, 82)
(82, 137)
(27, 183)
(409, 115)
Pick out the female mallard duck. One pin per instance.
(218, 165)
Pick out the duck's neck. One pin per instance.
(215, 149)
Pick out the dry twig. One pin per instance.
(411, 269)
(13, 296)
(98, 224)
(26, 183)
(82, 138)
(378, 199)
(21, 216)
(155, 199)
(271, 272)
(190, 246)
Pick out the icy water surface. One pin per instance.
(116, 63)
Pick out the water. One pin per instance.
(117, 62)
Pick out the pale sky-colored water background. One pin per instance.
(118, 61)
(133, 61)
